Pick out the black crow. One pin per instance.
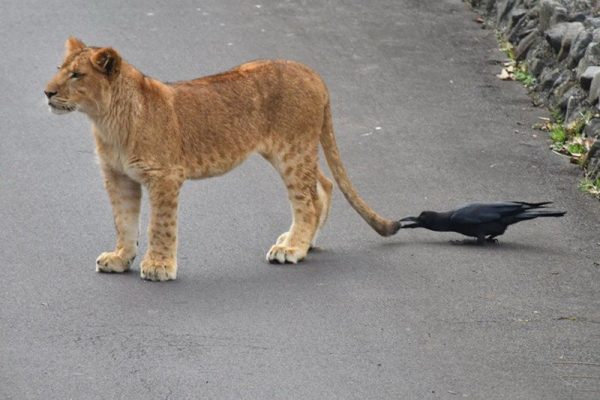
(484, 221)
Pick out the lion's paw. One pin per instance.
(153, 270)
(282, 238)
(112, 262)
(283, 254)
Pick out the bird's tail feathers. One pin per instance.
(542, 204)
(530, 214)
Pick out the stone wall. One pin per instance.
(559, 41)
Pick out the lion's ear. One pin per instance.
(73, 44)
(107, 61)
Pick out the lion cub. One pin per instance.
(159, 134)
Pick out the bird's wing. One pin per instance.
(476, 214)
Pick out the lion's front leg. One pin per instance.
(160, 261)
(125, 197)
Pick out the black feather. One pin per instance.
(484, 221)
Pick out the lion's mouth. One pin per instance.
(60, 108)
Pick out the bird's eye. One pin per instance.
(75, 75)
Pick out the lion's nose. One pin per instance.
(49, 94)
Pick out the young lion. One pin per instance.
(159, 134)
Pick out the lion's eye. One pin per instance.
(75, 75)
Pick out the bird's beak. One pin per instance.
(411, 222)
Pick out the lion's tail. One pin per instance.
(384, 227)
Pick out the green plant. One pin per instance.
(557, 115)
(525, 78)
(576, 148)
(558, 134)
(505, 46)
(576, 127)
(590, 186)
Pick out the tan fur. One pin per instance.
(158, 135)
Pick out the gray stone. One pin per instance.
(577, 50)
(579, 17)
(593, 22)
(585, 79)
(594, 89)
(562, 35)
(489, 6)
(521, 29)
(592, 129)
(573, 107)
(562, 84)
(551, 12)
(583, 5)
(536, 66)
(562, 78)
(573, 92)
(504, 8)
(596, 34)
(592, 161)
(547, 10)
(547, 78)
(554, 36)
(526, 44)
(516, 16)
(590, 58)
(539, 57)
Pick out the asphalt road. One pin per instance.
(422, 123)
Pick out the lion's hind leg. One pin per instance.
(301, 182)
(322, 202)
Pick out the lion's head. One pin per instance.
(83, 81)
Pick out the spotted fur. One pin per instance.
(157, 135)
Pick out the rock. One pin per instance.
(591, 57)
(536, 66)
(573, 92)
(593, 22)
(594, 89)
(592, 129)
(583, 5)
(592, 161)
(554, 36)
(489, 6)
(539, 57)
(526, 44)
(573, 30)
(571, 114)
(585, 79)
(551, 11)
(579, 17)
(504, 8)
(561, 36)
(576, 108)
(577, 50)
(561, 79)
(561, 85)
(596, 35)
(523, 28)
(547, 78)
(516, 15)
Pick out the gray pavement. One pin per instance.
(408, 317)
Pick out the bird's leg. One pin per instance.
(481, 240)
(491, 239)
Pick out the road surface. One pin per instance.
(422, 123)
